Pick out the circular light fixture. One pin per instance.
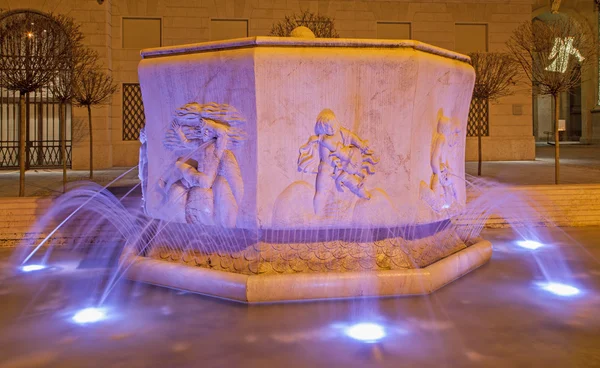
(366, 332)
(89, 315)
(559, 289)
(529, 244)
(32, 267)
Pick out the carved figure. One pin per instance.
(338, 157)
(143, 165)
(440, 193)
(206, 170)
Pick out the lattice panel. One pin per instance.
(133, 111)
(478, 114)
(48, 154)
(9, 154)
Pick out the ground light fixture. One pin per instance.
(559, 289)
(529, 244)
(89, 315)
(365, 332)
(32, 267)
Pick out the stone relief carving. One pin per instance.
(338, 157)
(143, 166)
(206, 173)
(440, 193)
(342, 161)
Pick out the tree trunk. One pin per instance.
(89, 108)
(556, 99)
(22, 135)
(63, 141)
(479, 133)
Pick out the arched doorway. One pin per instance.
(42, 117)
(575, 105)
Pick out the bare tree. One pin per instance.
(75, 63)
(552, 55)
(32, 46)
(322, 26)
(93, 87)
(495, 74)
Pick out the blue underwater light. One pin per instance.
(529, 244)
(32, 267)
(366, 332)
(559, 289)
(89, 315)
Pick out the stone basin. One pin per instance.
(400, 108)
(289, 168)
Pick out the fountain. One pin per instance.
(281, 169)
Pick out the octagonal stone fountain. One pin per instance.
(300, 168)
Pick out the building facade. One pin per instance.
(118, 29)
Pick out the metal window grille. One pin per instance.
(43, 130)
(133, 111)
(478, 114)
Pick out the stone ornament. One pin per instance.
(341, 161)
(440, 193)
(206, 172)
(302, 32)
(336, 153)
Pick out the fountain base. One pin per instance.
(265, 288)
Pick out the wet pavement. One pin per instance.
(497, 316)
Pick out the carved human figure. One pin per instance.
(440, 193)
(143, 165)
(206, 170)
(350, 169)
(338, 157)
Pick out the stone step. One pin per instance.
(546, 205)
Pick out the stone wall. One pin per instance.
(188, 21)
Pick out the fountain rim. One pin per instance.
(310, 286)
(264, 41)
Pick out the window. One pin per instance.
(133, 111)
(43, 144)
(141, 33)
(393, 31)
(224, 29)
(470, 38)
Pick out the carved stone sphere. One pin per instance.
(302, 32)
